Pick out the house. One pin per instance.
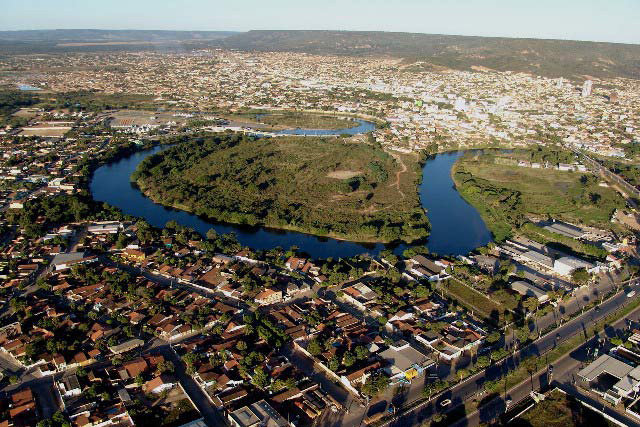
(159, 384)
(612, 378)
(404, 361)
(268, 297)
(134, 254)
(526, 289)
(258, 414)
(423, 267)
(359, 295)
(66, 260)
(487, 263)
(105, 228)
(126, 346)
(294, 263)
(69, 386)
(22, 407)
(135, 367)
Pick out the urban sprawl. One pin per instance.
(106, 320)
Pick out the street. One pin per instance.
(468, 388)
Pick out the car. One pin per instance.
(445, 403)
(508, 402)
(631, 294)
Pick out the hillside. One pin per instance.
(553, 58)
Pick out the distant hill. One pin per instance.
(55, 41)
(88, 35)
(553, 58)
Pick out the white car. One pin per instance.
(445, 403)
(631, 294)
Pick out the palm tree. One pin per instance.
(531, 365)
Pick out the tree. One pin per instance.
(348, 359)
(498, 354)
(482, 362)
(166, 366)
(433, 387)
(139, 380)
(260, 378)
(314, 347)
(334, 363)
(494, 337)
(580, 276)
(531, 365)
(531, 304)
(362, 352)
(375, 384)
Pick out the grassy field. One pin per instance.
(475, 301)
(327, 187)
(506, 195)
(289, 120)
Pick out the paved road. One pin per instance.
(471, 386)
(563, 376)
(626, 186)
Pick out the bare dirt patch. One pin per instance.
(343, 174)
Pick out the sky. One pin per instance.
(597, 20)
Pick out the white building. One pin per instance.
(567, 265)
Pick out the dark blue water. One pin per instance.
(456, 226)
(363, 127)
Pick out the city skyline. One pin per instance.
(571, 20)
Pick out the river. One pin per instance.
(456, 227)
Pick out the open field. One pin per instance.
(141, 117)
(506, 195)
(327, 187)
(475, 301)
(46, 131)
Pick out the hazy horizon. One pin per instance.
(588, 20)
(311, 29)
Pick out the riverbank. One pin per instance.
(456, 227)
(289, 120)
(507, 195)
(328, 188)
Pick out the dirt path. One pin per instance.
(400, 172)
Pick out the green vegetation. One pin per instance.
(562, 410)
(290, 119)
(474, 301)
(12, 101)
(629, 171)
(506, 196)
(327, 187)
(94, 101)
